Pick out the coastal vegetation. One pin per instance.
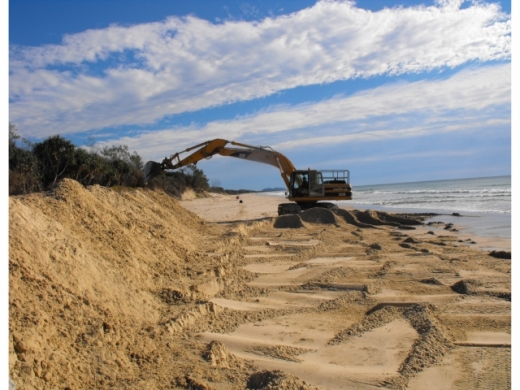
(40, 166)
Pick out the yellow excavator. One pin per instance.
(306, 188)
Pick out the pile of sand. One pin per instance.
(292, 221)
(95, 278)
(361, 219)
(318, 215)
(276, 380)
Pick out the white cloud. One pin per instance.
(479, 97)
(437, 154)
(139, 74)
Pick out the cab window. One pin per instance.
(315, 184)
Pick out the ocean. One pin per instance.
(483, 203)
(479, 195)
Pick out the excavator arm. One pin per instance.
(261, 154)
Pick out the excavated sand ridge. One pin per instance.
(130, 290)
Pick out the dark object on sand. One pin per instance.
(276, 379)
(466, 286)
(431, 281)
(319, 215)
(290, 221)
(500, 254)
(376, 246)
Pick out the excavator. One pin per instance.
(306, 188)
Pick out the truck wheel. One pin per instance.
(288, 208)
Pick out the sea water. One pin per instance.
(483, 203)
(479, 195)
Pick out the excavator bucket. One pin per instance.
(151, 169)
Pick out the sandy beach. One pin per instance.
(137, 290)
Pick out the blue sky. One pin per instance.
(394, 91)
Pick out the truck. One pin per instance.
(306, 188)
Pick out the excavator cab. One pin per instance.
(306, 184)
(314, 186)
(309, 189)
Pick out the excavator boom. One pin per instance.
(206, 150)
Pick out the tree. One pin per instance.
(24, 174)
(121, 169)
(137, 161)
(87, 167)
(195, 178)
(23, 166)
(55, 155)
(121, 153)
(38, 166)
(126, 167)
(13, 136)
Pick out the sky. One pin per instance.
(394, 91)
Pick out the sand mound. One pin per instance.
(467, 286)
(351, 219)
(500, 254)
(476, 287)
(283, 352)
(291, 221)
(271, 380)
(376, 246)
(371, 217)
(218, 355)
(361, 219)
(189, 194)
(318, 215)
(431, 281)
(412, 240)
(93, 274)
(401, 219)
(381, 218)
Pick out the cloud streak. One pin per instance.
(469, 100)
(139, 74)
